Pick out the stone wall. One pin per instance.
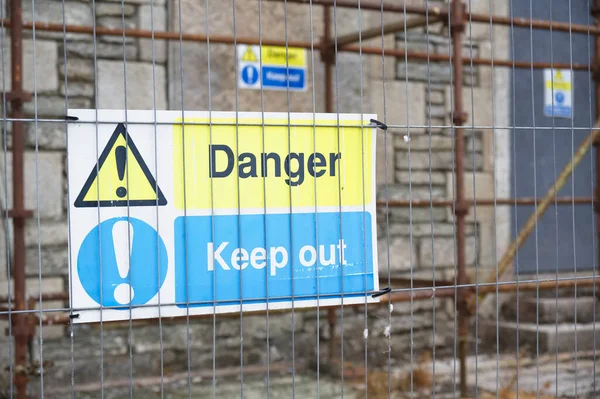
(416, 95)
(419, 101)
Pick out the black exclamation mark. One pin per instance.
(121, 158)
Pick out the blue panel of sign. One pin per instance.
(559, 110)
(278, 77)
(319, 253)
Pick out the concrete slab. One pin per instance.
(551, 310)
(565, 337)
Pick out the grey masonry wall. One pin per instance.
(172, 76)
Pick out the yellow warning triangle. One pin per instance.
(249, 55)
(558, 75)
(121, 177)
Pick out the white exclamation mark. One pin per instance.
(122, 240)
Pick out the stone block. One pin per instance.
(48, 284)
(152, 17)
(137, 2)
(140, 85)
(478, 106)
(436, 96)
(478, 31)
(388, 63)
(220, 19)
(432, 73)
(417, 215)
(399, 255)
(405, 192)
(473, 141)
(116, 23)
(103, 50)
(478, 185)
(77, 70)
(50, 135)
(4, 260)
(435, 111)
(352, 97)
(497, 77)
(420, 160)
(50, 233)
(440, 229)
(546, 337)
(114, 9)
(49, 183)
(50, 106)
(46, 57)
(444, 250)
(552, 310)
(55, 261)
(78, 89)
(46, 106)
(420, 177)
(222, 69)
(405, 104)
(75, 13)
(385, 157)
(223, 84)
(484, 188)
(426, 142)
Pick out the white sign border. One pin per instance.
(103, 122)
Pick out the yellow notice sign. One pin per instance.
(560, 80)
(121, 177)
(279, 166)
(276, 55)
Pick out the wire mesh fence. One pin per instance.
(299, 198)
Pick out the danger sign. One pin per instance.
(219, 212)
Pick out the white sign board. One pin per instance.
(271, 68)
(204, 215)
(558, 93)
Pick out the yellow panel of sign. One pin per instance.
(276, 55)
(559, 81)
(283, 167)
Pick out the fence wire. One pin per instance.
(466, 122)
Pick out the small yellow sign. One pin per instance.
(249, 55)
(276, 55)
(121, 177)
(559, 82)
(299, 166)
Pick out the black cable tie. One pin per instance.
(74, 316)
(71, 118)
(382, 292)
(381, 125)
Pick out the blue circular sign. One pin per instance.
(127, 258)
(559, 97)
(250, 74)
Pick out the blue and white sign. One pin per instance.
(272, 68)
(558, 93)
(170, 224)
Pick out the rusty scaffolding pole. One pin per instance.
(459, 117)
(19, 310)
(22, 330)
